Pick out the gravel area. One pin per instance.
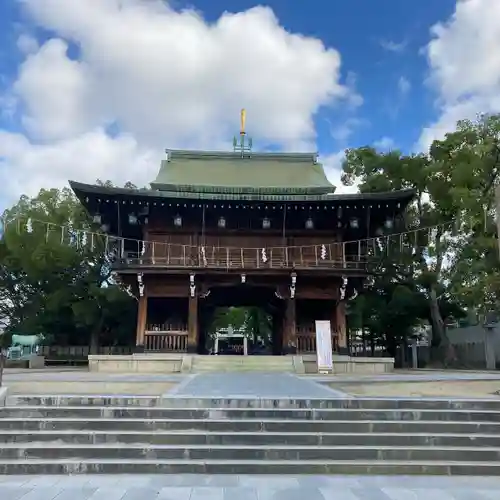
(457, 388)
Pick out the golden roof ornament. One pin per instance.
(242, 146)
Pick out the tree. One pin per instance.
(225, 317)
(392, 171)
(258, 323)
(471, 154)
(56, 279)
(253, 321)
(454, 183)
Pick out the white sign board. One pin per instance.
(324, 346)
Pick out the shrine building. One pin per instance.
(241, 228)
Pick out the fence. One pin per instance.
(78, 354)
(474, 344)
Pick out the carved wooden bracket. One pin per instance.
(346, 292)
(140, 282)
(192, 286)
(293, 285)
(343, 288)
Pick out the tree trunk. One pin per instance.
(442, 350)
(391, 345)
(2, 364)
(94, 338)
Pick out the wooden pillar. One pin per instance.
(333, 326)
(341, 328)
(193, 334)
(142, 312)
(290, 328)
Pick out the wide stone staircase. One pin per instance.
(75, 434)
(218, 364)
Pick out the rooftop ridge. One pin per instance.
(262, 155)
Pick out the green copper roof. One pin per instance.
(222, 172)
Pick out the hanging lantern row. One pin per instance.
(118, 247)
(300, 206)
(221, 223)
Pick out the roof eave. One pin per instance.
(82, 191)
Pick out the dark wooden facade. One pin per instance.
(298, 252)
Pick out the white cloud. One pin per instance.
(27, 44)
(404, 85)
(332, 164)
(163, 79)
(85, 157)
(392, 46)
(384, 144)
(464, 63)
(57, 94)
(343, 132)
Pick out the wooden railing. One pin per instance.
(306, 341)
(165, 340)
(331, 256)
(306, 344)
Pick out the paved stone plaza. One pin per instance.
(259, 385)
(192, 487)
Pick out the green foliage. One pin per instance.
(51, 283)
(253, 321)
(453, 267)
(226, 317)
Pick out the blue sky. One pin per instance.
(98, 89)
(380, 42)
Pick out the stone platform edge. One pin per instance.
(183, 363)
(4, 391)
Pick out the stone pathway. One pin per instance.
(193, 487)
(255, 384)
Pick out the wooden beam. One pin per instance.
(193, 334)
(141, 321)
(290, 328)
(341, 327)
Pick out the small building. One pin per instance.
(241, 228)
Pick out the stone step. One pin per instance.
(220, 425)
(247, 413)
(173, 401)
(224, 369)
(256, 360)
(203, 364)
(239, 369)
(255, 364)
(85, 400)
(90, 437)
(139, 451)
(156, 466)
